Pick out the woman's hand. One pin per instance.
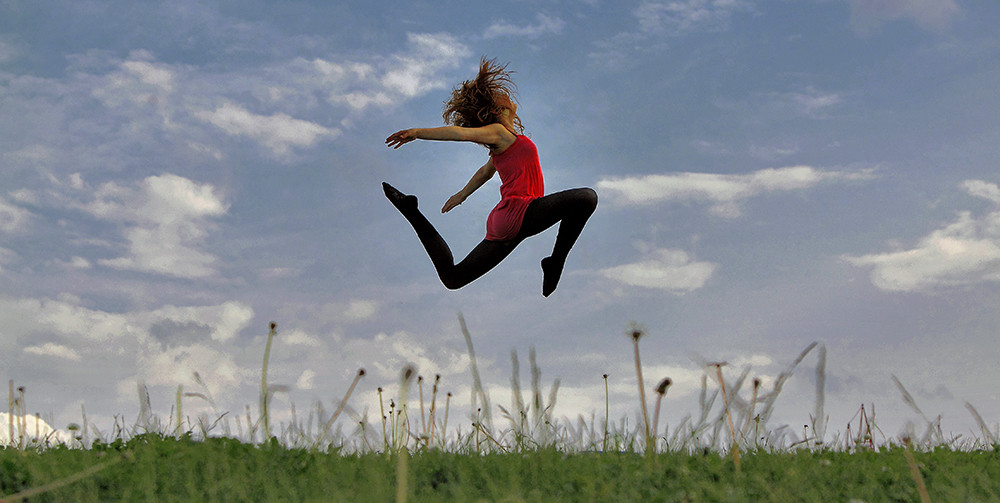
(400, 138)
(453, 201)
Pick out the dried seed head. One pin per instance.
(605, 376)
(420, 378)
(380, 389)
(361, 372)
(636, 330)
(274, 326)
(408, 373)
(662, 387)
(756, 382)
(437, 377)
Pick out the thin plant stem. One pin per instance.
(423, 417)
(607, 407)
(264, 398)
(350, 390)
(729, 416)
(381, 410)
(403, 454)
(636, 334)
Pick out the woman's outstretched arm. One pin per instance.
(492, 135)
(481, 176)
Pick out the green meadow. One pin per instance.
(156, 468)
(727, 450)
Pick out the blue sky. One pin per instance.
(772, 173)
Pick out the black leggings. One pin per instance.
(570, 208)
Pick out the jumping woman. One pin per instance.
(483, 111)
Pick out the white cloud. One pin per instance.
(811, 102)
(360, 309)
(383, 82)
(722, 191)
(416, 73)
(12, 218)
(224, 321)
(168, 217)
(7, 52)
(278, 132)
(866, 15)
(981, 189)
(65, 318)
(126, 341)
(54, 350)
(6, 257)
(391, 353)
(79, 263)
(158, 76)
(965, 252)
(678, 17)
(177, 365)
(544, 26)
(299, 338)
(305, 380)
(664, 269)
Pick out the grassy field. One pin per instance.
(726, 450)
(156, 468)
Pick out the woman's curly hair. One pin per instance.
(481, 101)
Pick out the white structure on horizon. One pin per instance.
(36, 431)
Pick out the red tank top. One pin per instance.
(520, 183)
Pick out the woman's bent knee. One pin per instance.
(588, 197)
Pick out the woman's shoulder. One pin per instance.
(505, 139)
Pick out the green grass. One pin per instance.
(158, 468)
(725, 451)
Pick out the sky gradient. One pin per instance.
(174, 176)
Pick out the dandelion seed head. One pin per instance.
(662, 387)
(635, 330)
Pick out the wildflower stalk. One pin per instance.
(729, 416)
(753, 402)
(476, 381)
(402, 453)
(915, 472)
(661, 391)
(444, 426)
(264, 398)
(350, 390)
(10, 414)
(423, 417)
(381, 409)
(434, 392)
(607, 402)
(637, 333)
(180, 415)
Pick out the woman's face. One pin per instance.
(505, 102)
